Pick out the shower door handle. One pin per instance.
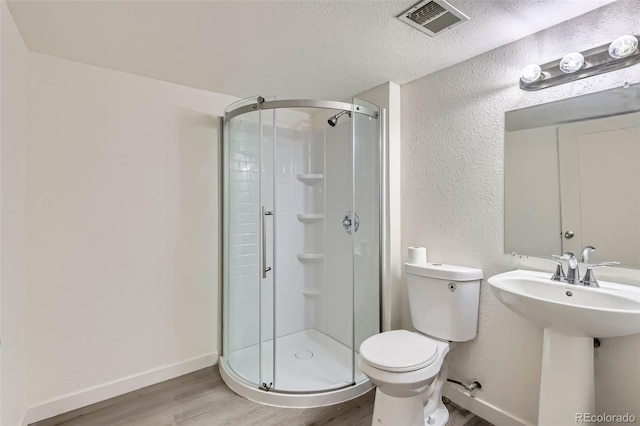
(265, 268)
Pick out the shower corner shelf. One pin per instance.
(310, 217)
(311, 291)
(303, 257)
(310, 179)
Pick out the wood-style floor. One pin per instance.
(202, 399)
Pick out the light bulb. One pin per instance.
(531, 73)
(571, 62)
(623, 46)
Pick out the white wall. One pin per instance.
(123, 233)
(14, 89)
(452, 199)
(288, 201)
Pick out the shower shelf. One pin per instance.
(310, 179)
(303, 257)
(310, 217)
(311, 291)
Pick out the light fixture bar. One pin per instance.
(596, 61)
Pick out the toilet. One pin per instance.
(409, 368)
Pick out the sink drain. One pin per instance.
(306, 354)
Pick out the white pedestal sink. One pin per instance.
(571, 316)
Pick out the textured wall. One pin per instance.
(452, 199)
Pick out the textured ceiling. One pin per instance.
(327, 49)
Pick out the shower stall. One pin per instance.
(302, 248)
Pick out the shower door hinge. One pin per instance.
(266, 387)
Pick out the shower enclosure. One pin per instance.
(301, 226)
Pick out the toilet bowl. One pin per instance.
(405, 366)
(409, 368)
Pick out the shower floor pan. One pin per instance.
(312, 369)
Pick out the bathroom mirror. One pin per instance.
(572, 177)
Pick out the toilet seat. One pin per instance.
(399, 351)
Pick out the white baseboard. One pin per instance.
(476, 405)
(24, 418)
(115, 388)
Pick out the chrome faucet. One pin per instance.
(589, 279)
(584, 257)
(559, 274)
(573, 273)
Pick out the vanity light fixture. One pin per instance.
(531, 73)
(620, 53)
(623, 46)
(571, 62)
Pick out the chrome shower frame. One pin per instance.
(312, 398)
(301, 103)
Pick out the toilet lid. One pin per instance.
(399, 351)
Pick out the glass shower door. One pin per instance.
(301, 255)
(313, 348)
(340, 227)
(268, 268)
(326, 225)
(366, 241)
(247, 202)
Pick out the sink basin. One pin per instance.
(612, 310)
(571, 316)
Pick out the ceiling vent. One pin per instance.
(433, 17)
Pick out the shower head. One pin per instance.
(334, 120)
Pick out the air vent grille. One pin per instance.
(433, 16)
(426, 13)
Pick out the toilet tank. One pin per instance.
(444, 300)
